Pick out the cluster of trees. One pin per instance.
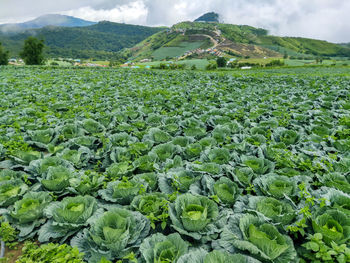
(170, 66)
(32, 52)
(221, 62)
(4, 56)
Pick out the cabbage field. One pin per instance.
(178, 166)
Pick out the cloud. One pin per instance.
(130, 13)
(321, 19)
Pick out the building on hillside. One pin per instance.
(145, 60)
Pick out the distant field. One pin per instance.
(202, 63)
(199, 63)
(164, 52)
(297, 62)
(60, 63)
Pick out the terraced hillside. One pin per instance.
(234, 40)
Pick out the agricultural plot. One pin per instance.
(167, 166)
(178, 51)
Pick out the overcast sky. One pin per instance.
(320, 19)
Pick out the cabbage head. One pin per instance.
(92, 126)
(226, 190)
(113, 234)
(277, 186)
(278, 211)
(25, 157)
(86, 183)
(11, 191)
(194, 216)
(223, 189)
(122, 192)
(149, 178)
(42, 138)
(7, 175)
(79, 158)
(333, 224)
(336, 180)
(217, 155)
(57, 179)
(334, 198)
(157, 136)
(258, 165)
(177, 179)
(28, 213)
(40, 167)
(118, 170)
(166, 151)
(67, 217)
(216, 256)
(262, 240)
(159, 248)
(70, 131)
(288, 137)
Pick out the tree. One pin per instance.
(4, 56)
(32, 52)
(221, 61)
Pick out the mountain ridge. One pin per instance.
(45, 20)
(100, 41)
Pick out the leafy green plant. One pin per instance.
(32, 253)
(318, 251)
(154, 206)
(8, 234)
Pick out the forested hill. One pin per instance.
(99, 41)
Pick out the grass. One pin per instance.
(199, 63)
(297, 62)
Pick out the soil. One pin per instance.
(13, 254)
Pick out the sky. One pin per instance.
(320, 19)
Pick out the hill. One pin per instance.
(100, 41)
(46, 20)
(202, 40)
(208, 17)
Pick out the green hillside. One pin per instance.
(345, 45)
(304, 45)
(231, 40)
(100, 41)
(194, 40)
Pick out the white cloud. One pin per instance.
(132, 13)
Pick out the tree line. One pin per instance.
(32, 52)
